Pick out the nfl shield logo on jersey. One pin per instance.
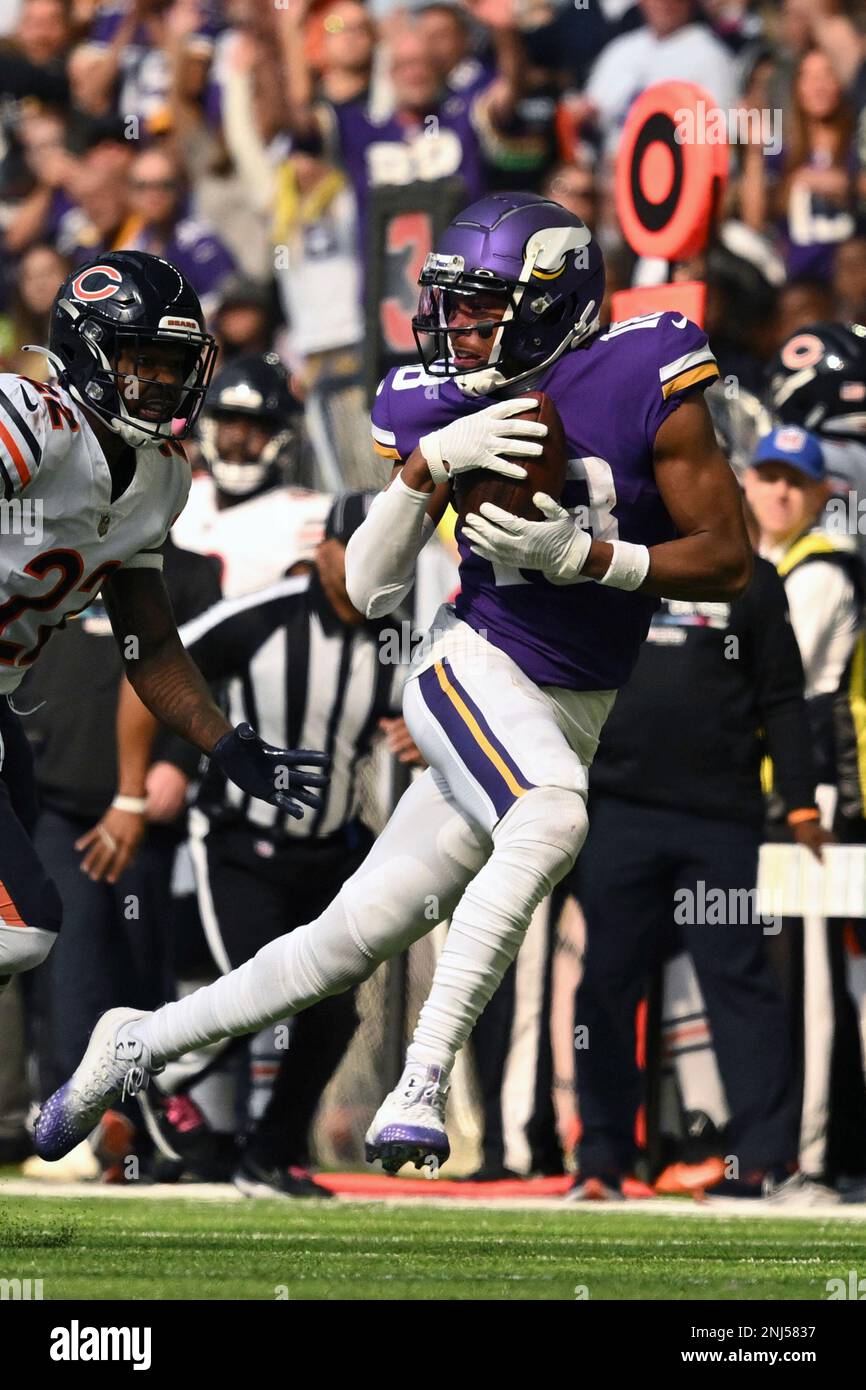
(102, 524)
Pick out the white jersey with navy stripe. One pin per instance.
(62, 535)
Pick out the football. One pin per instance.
(545, 472)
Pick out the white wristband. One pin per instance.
(629, 567)
(135, 805)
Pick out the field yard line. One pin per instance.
(660, 1206)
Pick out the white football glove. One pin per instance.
(558, 547)
(480, 440)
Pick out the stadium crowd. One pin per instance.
(247, 141)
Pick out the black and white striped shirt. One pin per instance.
(302, 679)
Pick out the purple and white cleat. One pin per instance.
(114, 1065)
(409, 1126)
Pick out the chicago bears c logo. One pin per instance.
(803, 351)
(105, 291)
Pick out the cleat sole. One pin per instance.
(395, 1154)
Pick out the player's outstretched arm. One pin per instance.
(158, 668)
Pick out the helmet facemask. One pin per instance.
(536, 327)
(241, 479)
(437, 342)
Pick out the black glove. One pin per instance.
(269, 773)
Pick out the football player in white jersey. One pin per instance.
(92, 475)
(248, 509)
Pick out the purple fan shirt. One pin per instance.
(612, 396)
(443, 144)
(144, 68)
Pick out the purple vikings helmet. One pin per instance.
(544, 262)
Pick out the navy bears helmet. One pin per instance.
(818, 380)
(113, 310)
(251, 388)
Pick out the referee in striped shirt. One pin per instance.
(295, 657)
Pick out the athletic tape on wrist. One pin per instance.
(629, 566)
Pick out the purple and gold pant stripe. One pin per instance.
(471, 736)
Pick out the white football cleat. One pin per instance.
(409, 1126)
(115, 1065)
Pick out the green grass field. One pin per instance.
(85, 1248)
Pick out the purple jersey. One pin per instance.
(145, 71)
(612, 396)
(439, 146)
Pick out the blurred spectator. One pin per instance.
(518, 152)
(810, 182)
(427, 135)
(737, 22)
(739, 317)
(130, 47)
(346, 44)
(573, 186)
(102, 219)
(243, 317)
(159, 198)
(43, 32)
(834, 30)
(318, 272)
(32, 64)
(41, 272)
(787, 490)
(803, 300)
(445, 30)
(672, 44)
(90, 94)
(42, 136)
(849, 280)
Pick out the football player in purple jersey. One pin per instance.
(511, 687)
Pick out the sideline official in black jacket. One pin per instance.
(676, 812)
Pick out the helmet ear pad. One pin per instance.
(541, 325)
(79, 359)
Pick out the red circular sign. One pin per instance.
(671, 170)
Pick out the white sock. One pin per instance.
(535, 844)
(23, 948)
(412, 878)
